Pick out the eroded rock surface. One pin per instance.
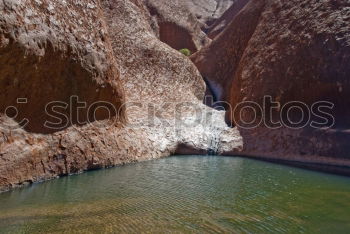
(219, 61)
(51, 51)
(291, 51)
(112, 51)
(176, 25)
(98, 51)
(207, 11)
(221, 23)
(183, 23)
(167, 84)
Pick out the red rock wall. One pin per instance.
(291, 51)
(99, 51)
(221, 23)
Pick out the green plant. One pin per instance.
(186, 52)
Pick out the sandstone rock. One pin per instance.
(176, 25)
(299, 52)
(219, 61)
(51, 51)
(221, 23)
(155, 75)
(183, 23)
(291, 51)
(208, 11)
(98, 51)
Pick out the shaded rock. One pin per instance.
(221, 23)
(114, 55)
(183, 23)
(176, 25)
(291, 51)
(165, 82)
(299, 52)
(208, 11)
(219, 61)
(50, 53)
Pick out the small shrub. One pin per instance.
(186, 52)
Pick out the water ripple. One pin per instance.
(193, 194)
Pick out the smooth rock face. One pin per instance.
(105, 51)
(300, 51)
(219, 61)
(291, 51)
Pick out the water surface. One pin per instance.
(183, 194)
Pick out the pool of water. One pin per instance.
(183, 194)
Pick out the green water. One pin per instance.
(183, 194)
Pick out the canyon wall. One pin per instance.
(184, 23)
(290, 51)
(176, 25)
(111, 71)
(84, 54)
(163, 88)
(52, 51)
(221, 23)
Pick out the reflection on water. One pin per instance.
(183, 194)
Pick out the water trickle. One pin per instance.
(214, 143)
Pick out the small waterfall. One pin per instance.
(214, 143)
